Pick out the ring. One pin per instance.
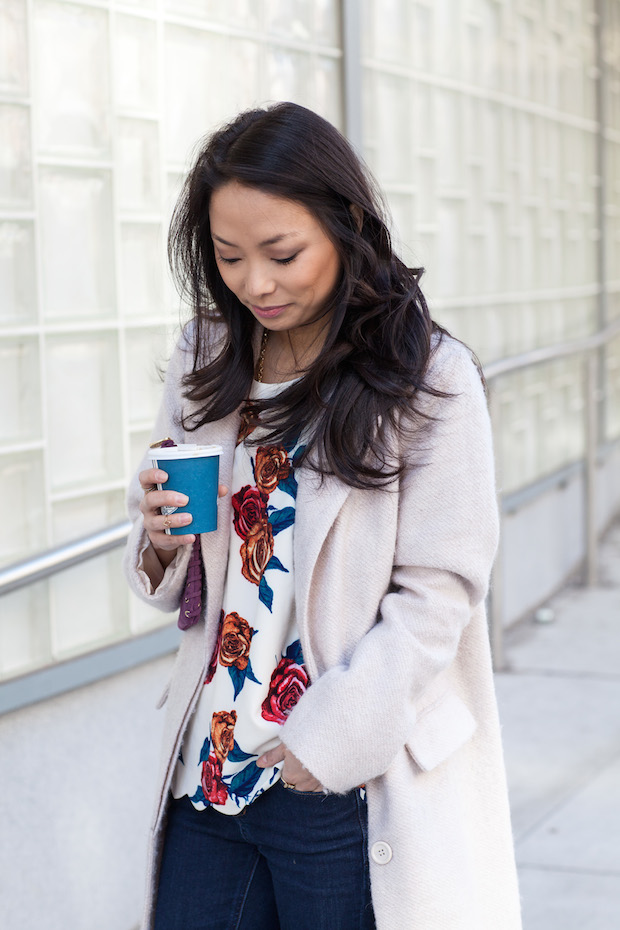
(286, 784)
(167, 523)
(153, 487)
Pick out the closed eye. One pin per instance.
(279, 261)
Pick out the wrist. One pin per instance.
(164, 556)
(154, 563)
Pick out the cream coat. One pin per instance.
(390, 589)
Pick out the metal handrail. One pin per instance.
(590, 343)
(588, 347)
(59, 558)
(62, 557)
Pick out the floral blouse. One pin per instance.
(256, 674)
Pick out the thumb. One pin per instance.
(272, 757)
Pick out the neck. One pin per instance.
(303, 343)
(288, 354)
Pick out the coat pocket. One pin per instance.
(440, 730)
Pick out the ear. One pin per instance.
(358, 216)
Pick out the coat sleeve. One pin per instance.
(445, 544)
(167, 595)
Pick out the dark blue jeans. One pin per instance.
(291, 860)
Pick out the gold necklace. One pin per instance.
(261, 356)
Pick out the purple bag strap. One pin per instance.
(191, 601)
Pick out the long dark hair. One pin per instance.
(358, 395)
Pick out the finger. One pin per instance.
(164, 541)
(152, 502)
(299, 778)
(222, 490)
(172, 521)
(303, 784)
(152, 476)
(272, 757)
(295, 774)
(156, 525)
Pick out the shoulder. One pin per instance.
(453, 408)
(453, 367)
(213, 337)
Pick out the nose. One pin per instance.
(259, 280)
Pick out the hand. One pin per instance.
(292, 771)
(151, 505)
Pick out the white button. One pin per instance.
(381, 852)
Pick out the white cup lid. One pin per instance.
(183, 451)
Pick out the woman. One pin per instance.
(331, 751)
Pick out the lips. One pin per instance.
(269, 311)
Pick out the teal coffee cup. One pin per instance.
(192, 470)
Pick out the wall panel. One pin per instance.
(481, 124)
(101, 104)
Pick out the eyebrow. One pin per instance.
(272, 241)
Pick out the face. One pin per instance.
(274, 255)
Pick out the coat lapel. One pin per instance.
(317, 507)
(214, 546)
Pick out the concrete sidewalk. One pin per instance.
(560, 708)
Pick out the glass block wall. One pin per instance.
(611, 59)
(100, 105)
(481, 123)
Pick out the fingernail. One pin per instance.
(185, 518)
(181, 500)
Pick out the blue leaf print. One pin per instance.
(244, 781)
(265, 593)
(238, 755)
(204, 752)
(199, 797)
(274, 562)
(298, 453)
(237, 678)
(294, 653)
(289, 485)
(250, 674)
(282, 519)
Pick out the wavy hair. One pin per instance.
(359, 395)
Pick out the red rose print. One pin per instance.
(249, 508)
(256, 551)
(213, 787)
(223, 733)
(248, 422)
(236, 639)
(288, 682)
(272, 465)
